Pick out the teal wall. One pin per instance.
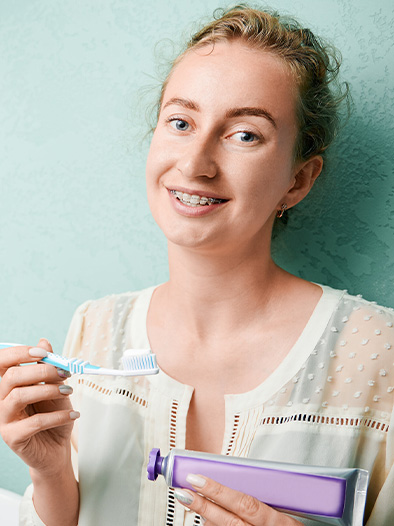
(75, 79)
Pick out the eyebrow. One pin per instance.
(186, 103)
(254, 112)
(231, 113)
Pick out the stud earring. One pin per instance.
(282, 210)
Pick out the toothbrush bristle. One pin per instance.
(136, 360)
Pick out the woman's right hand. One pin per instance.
(36, 415)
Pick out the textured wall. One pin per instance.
(74, 224)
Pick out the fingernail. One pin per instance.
(74, 415)
(65, 389)
(183, 496)
(37, 352)
(196, 480)
(63, 374)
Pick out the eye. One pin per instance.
(179, 124)
(246, 136)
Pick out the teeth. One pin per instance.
(195, 200)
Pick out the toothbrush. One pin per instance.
(136, 362)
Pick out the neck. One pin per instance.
(206, 291)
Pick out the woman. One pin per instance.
(254, 361)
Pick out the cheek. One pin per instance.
(153, 164)
(158, 160)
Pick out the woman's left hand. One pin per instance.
(221, 506)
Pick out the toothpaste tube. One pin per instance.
(324, 494)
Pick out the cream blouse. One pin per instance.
(329, 403)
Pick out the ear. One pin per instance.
(305, 175)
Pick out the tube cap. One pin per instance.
(154, 464)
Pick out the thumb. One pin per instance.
(44, 344)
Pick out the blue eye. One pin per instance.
(245, 136)
(179, 124)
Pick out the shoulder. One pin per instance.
(360, 345)
(366, 313)
(364, 326)
(97, 323)
(356, 307)
(113, 303)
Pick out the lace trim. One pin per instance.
(170, 515)
(170, 507)
(173, 417)
(122, 392)
(197, 520)
(233, 434)
(337, 421)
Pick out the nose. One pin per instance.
(198, 159)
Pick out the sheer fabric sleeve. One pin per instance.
(364, 376)
(72, 347)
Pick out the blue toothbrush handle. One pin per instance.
(57, 361)
(72, 365)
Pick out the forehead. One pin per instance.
(234, 74)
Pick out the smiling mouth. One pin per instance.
(195, 200)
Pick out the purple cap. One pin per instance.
(154, 464)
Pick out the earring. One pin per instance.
(282, 210)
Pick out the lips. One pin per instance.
(193, 204)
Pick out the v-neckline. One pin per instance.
(285, 371)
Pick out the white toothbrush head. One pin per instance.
(142, 361)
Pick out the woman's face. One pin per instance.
(221, 159)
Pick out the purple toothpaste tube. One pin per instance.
(324, 494)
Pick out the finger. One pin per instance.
(17, 433)
(248, 508)
(11, 356)
(30, 375)
(21, 397)
(210, 512)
